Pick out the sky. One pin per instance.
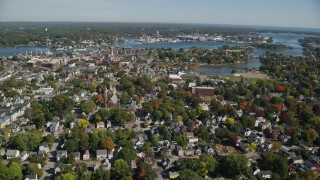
(280, 13)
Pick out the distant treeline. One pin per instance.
(22, 33)
(271, 46)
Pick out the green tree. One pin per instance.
(70, 145)
(188, 174)
(211, 163)
(231, 111)
(120, 169)
(127, 153)
(87, 107)
(182, 141)
(15, 170)
(233, 164)
(33, 168)
(275, 163)
(155, 139)
(203, 171)
(146, 172)
(67, 176)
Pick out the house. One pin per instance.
(247, 132)
(57, 169)
(166, 163)
(243, 146)
(284, 138)
(31, 177)
(2, 152)
(132, 107)
(139, 141)
(94, 167)
(297, 160)
(110, 154)
(72, 125)
(208, 150)
(54, 127)
(310, 165)
(189, 152)
(44, 148)
(197, 152)
(179, 150)
(24, 156)
(202, 91)
(314, 158)
(86, 156)
(106, 164)
(265, 174)
(12, 154)
(109, 124)
(264, 125)
(102, 154)
(76, 156)
(113, 102)
(61, 154)
(193, 140)
(100, 125)
(173, 175)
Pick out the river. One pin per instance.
(278, 38)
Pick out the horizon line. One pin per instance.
(182, 23)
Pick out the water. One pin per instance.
(177, 45)
(278, 38)
(10, 51)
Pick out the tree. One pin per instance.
(87, 107)
(203, 171)
(70, 145)
(146, 172)
(16, 170)
(182, 141)
(312, 134)
(101, 174)
(247, 121)
(120, 169)
(82, 123)
(275, 163)
(33, 168)
(233, 164)
(127, 153)
(67, 176)
(231, 111)
(252, 146)
(108, 144)
(211, 163)
(188, 174)
(125, 98)
(39, 120)
(155, 139)
(229, 121)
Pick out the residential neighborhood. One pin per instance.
(125, 113)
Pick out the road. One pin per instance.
(48, 169)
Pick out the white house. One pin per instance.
(24, 156)
(86, 156)
(44, 148)
(12, 154)
(31, 177)
(102, 154)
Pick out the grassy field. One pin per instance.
(250, 78)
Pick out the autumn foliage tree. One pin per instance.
(82, 123)
(108, 144)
